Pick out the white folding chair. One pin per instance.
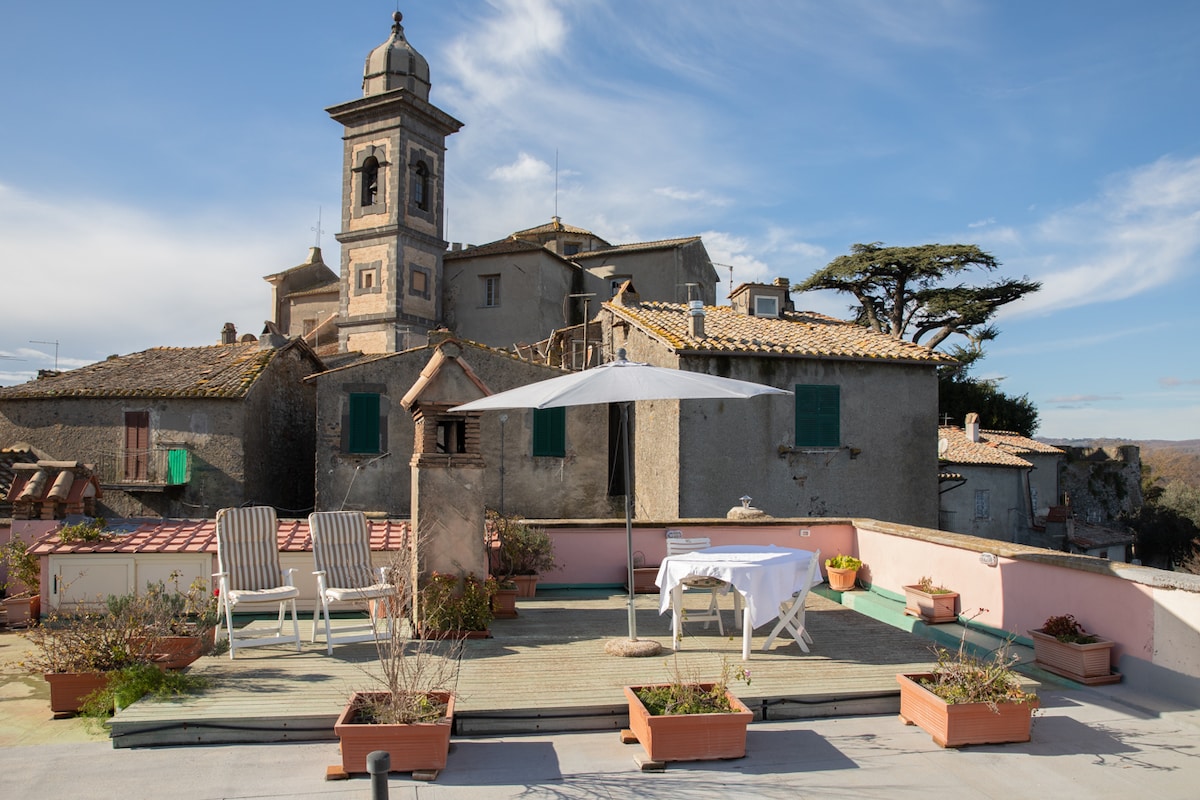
(342, 552)
(248, 560)
(791, 614)
(701, 584)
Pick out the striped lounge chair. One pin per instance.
(342, 551)
(250, 575)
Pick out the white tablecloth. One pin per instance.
(765, 575)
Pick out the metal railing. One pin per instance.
(156, 466)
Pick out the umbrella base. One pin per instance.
(632, 648)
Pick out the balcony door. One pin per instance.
(137, 445)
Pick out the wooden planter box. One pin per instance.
(965, 723)
(68, 690)
(932, 608)
(689, 737)
(841, 580)
(1085, 663)
(421, 746)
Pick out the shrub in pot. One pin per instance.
(842, 571)
(522, 552)
(1063, 647)
(968, 700)
(689, 719)
(25, 582)
(931, 602)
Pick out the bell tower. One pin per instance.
(393, 181)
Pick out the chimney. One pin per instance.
(695, 312)
(973, 426)
(314, 255)
(228, 334)
(786, 286)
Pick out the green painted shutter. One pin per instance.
(818, 416)
(364, 423)
(177, 467)
(550, 432)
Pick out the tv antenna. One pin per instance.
(728, 267)
(55, 343)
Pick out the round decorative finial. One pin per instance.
(397, 17)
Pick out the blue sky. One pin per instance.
(158, 159)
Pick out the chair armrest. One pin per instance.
(383, 574)
(287, 576)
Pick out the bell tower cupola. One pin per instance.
(396, 64)
(393, 181)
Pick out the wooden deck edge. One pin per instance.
(236, 730)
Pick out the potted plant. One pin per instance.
(178, 625)
(409, 710)
(24, 606)
(842, 571)
(968, 700)
(688, 719)
(1063, 647)
(454, 606)
(75, 654)
(504, 600)
(524, 552)
(932, 603)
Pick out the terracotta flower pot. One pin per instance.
(841, 580)
(68, 690)
(1085, 663)
(931, 607)
(689, 737)
(417, 746)
(963, 723)
(526, 585)
(504, 604)
(23, 611)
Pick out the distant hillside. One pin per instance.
(1168, 460)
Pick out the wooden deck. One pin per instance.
(542, 672)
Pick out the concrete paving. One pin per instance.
(1085, 743)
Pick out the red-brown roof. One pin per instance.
(200, 536)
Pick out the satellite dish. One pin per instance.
(943, 446)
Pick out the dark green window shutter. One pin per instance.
(818, 416)
(364, 423)
(177, 466)
(550, 432)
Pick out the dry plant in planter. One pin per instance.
(409, 709)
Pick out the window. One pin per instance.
(366, 278)
(491, 290)
(983, 504)
(418, 282)
(421, 186)
(766, 306)
(363, 424)
(570, 248)
(550, 432)
(818, 416)
(369, 185)
(615, 283)
(137, 445)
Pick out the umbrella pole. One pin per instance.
(628, 518)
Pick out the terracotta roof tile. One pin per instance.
(1016, 443)
(661, 244)
(961, 450)
(501, 247)
(200, 536)
(224, 371)
(794, 334)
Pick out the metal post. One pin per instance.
(628, 518)
(379, 763)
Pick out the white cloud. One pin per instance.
(525, 169)
(101, 278)
(1141, 233)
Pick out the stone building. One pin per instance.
(537, 464)
(179, 431)
(854, 440)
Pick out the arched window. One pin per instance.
(421, 187)
(370, 181)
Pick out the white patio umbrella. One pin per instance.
(623, 382)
